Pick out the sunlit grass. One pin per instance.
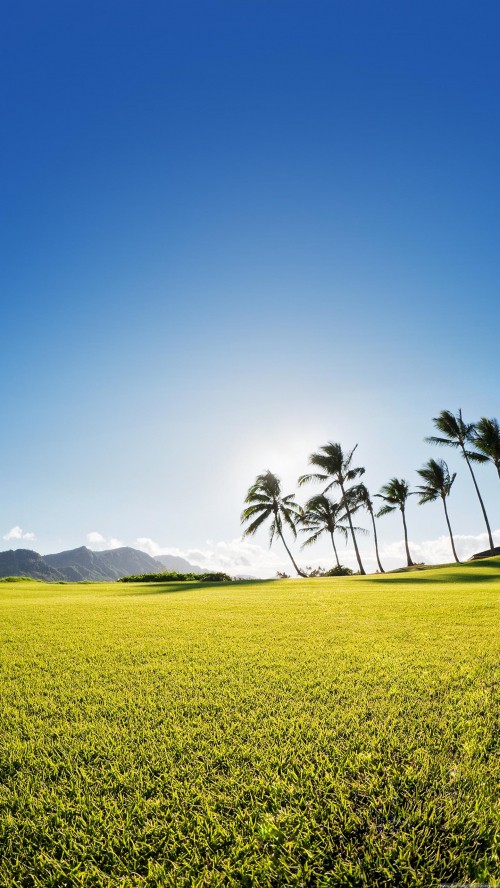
(301, 732)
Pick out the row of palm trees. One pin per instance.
(477, 442)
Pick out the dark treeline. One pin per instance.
(173, 575)
(334, 469)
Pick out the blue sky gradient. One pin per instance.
(232, 232)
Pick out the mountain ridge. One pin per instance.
(176, 562)
(80, 564)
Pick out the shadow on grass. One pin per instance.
(456, 578)
(143, 589)
(491, 563)
(455, 573)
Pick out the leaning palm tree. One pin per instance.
(395, 495)
(438, 484)
(323, 515)
(459, 434)
(486, 439)
(364, 501)
(265, 500)
(335, 466)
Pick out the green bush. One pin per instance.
(337, 571)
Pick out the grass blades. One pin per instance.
(317, 732)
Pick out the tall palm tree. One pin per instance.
(486, 439)
(335, 466)
(323, 515)
(265, 500)
(459, 434)
(438, 484)
(364, 501)
(395, 495)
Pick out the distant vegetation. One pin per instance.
(18, 580)
(476, 442)
(173, 575)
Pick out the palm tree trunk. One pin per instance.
(490, 538)
(408, 556)
(449, 528)
(372, 516)
(300, 573)
(360, 563)
(335, 548)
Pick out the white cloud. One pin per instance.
(17, 533)
(438, 551)
(148, 545)
(101, 542)
(235, 557)
(95, 537)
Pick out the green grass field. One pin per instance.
(292, 733)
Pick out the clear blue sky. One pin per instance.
(230, 232)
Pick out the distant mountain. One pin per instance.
(83, 564)
(76, 564)
(175, 562)
(127, 561)
(25, 563)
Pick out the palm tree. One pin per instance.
(336, 465)
(486, 439)
(365, 501)
(395, 494)
(459, 434)
(265, 500)
(322, 515)
(438, 483)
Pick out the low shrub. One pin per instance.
(19, 580)
(337, 571)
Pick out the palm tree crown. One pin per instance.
(457, 433)
(336, 469)
(322, 515)
(438, 481)
(265, 500)
(486, 439)
(395, 494)
(334, 463)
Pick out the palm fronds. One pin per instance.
(395, 494)
(322, 515)
(438, 481)
(486, 439)
(385, 510)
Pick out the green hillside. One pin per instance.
(289, 733)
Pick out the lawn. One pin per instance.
(289, 733)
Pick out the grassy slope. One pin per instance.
(298, 733)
